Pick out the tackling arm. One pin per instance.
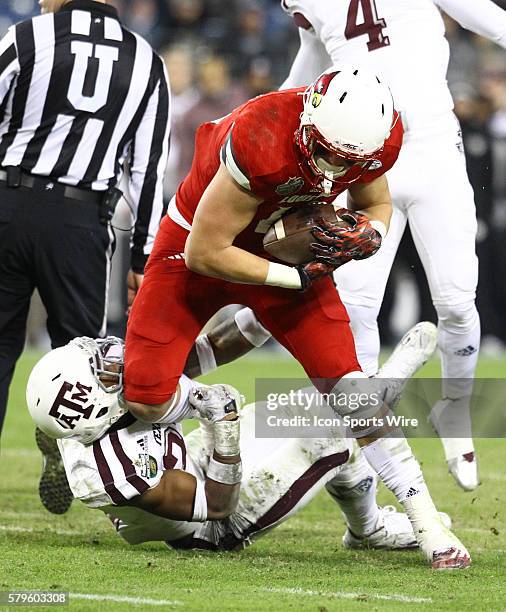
(480, 16)
(178, 497)
(181, 496)
(226, 342)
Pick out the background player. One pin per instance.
(153, 488)
(403, 40)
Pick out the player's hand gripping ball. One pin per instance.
(337, 245)
(321, 232)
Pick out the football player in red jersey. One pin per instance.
(270, 154)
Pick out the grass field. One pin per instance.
(299, 566)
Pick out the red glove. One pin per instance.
(313, 271)
(338, 245)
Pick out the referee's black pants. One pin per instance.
(59, 246)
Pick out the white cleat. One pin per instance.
(451, 420)
(393, 532)
(442, 549)
(465, 471)
(415, 348)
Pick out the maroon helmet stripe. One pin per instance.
(128, 467)
(106, 474)
(297, 491)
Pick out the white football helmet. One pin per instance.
(348, 114)
(72, 392)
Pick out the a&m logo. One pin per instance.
(70, 406)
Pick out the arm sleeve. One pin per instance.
(480, 16)
(150, 150)
(9, 65)
(311, 60)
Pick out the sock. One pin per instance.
(354, 489)
(397, 467)
(452, 419)
(459, 342)
(395, 464)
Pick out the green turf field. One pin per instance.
(299, 566)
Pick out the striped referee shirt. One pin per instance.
(82, 99)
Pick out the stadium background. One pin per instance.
(220, 52)
(210, 76)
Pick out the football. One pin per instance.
(289, 238)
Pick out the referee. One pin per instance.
(82, 100)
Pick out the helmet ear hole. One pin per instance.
(102, 412)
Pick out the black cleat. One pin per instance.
(54, 490)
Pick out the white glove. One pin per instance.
(213, 403)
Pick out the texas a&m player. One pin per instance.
(156, 484)
(404, 42)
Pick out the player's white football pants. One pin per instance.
(430, 191)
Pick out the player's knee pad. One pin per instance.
(355, 393)
(460, 318)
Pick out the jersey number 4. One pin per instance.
(372, 25)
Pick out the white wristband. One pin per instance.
(227, 438)
(380, 227)
(225, 473)
(200, 503)
(279, 275)
(250, 327)
(205, 354)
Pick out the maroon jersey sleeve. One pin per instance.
(389, 154)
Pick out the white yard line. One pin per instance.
(140, 601)
(347, 595)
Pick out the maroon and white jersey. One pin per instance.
(280, 476)
(123, 463)
(401, 40)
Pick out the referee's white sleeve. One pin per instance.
(150, 150)
(9, 64)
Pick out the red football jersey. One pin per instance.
(256, 142)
